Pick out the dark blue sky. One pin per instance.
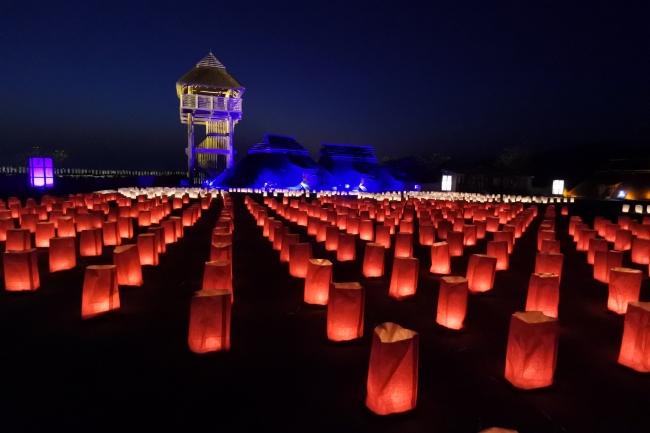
(464, 78)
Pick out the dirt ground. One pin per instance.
(132, 369)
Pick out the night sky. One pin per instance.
(462, 78)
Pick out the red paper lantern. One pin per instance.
(287, 240)
(126, 259)
(29, 222)
(217, 275)
(404, 278)
(144, 218)
(480, 273)
(178, 224)
(492, 224)
(18, 240)
(100, 292)
(65, 227)
(44, 232)
(444, 227)
(595, 245)
(624, 287)
(440, 258)
(148, 249)
(585, 236)
(5, 224)
(509, 237)
(299, 256)
(455, 241)
(469, 235)
(210, 321)
(221, 238)
(481, 227)
(393, 372)
(21, 270)
(373, 260)
(278, 235)
(111, 234)
(406, 227)
(317, 281)
(544, 235)
(623, 240)
(641, 251)
(549, 263)
(345, 311)
(90, 243)
(220, 252)
(159, 232)
(499, 249)
(543, 294)
(403, 245)
(604, 261)
(610, 231)
(383, 236)
(62, 254)
(635, 350)
(550, 246)
(427, 234)
(170, 231)
(321, 231)
(532, 350)
(352, 225)
(452, 302)
(347, 248)
(366, 230)
(331, 238)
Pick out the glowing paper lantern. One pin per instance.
(5, 224)
(352, 226)
(481, 227)
(111, 234)
(480, 273)
(403, 245)
(18, 240)
(221, 252)
(492, 224)
(499, 249)
(321, 232)
(572, 223)
(604, 261)
(209, 329)
(427, 234)
(21, 270)
(532, 350)
(217, 275)
(170, 231)
(44, 231)
(178, 224)
(544, 235)
(287, 240)
(90, 243)
(126, 259)
(455, 241)
(373, 260)
(444, 227)
(62, 254)
(635, 350)
(299, 256)
(144, 218)
(278, 235)
(345, 311)
(393, 371)
(624, 287)
(382, 236)
(469, 235)
(549, 263)
(160, 238)
(595, 245)
(148, 249)
(452, 302)
(100, 292)
(543, 294)
(585, 236)
(331, 238)
(610, 232)
(65, 227)
(404, 278)
(641, 251)
(221, 238)
(440, 258)
(550, 246)
(406, 227)
(347, 248)
(623, 240)
(317, 281)
(29, 222)
(366, 230)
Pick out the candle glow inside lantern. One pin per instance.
(126, 259)
(21, 270)
(317, 281)
(393, 372)
(583, 240)
(469, 235)
(209, 329)
(347, 250)
(170, 231)
(595, 245)
(455, 242)
(532, 350)
(217, 275)
(452, 302)
(90, 243)
(427, 234)
(299, 256)
(62, 254)
(220, 252)
(331, 238)
(549, 263)
(440, 258)
(111, 233)
(382, 236)
(604, 261)
(366, 230)
(480, 273)
(635, 347)
(65, 227)
(403, 245)
(404, 278)
(499, 249)
(100, 292)
(623, 240)
(544, 235)
(159, 232)
(288, 239)
(624, 287)
(148, 249)
(641, 251)
(345, 308)
(373, 260)
(543, 294)
(550, 246)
